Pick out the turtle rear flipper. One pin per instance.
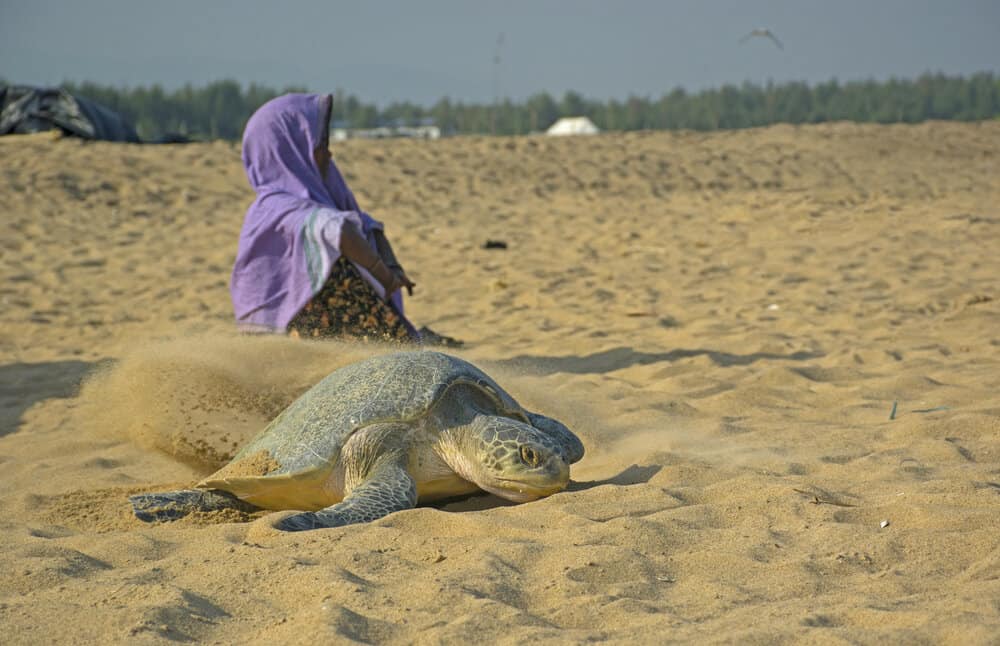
(171, 505)
(388, 488)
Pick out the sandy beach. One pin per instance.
(781, 348)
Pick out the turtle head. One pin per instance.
(513, 460)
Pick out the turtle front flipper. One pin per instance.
(171, 505)
(570, 444)
(388, 488)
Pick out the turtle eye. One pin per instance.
(529, 456)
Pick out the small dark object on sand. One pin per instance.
(494, 244)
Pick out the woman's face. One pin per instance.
(321, 154)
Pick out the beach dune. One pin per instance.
(780, 346)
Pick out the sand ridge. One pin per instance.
(728, 320)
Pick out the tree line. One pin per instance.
(219, 110)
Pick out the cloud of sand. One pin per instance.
(621, 429)
(199, 399)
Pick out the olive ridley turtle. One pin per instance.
(378, 436)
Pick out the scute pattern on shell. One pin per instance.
(399, 387)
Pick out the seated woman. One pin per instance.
(310, 261)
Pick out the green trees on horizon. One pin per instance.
(219, 110)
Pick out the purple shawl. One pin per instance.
(291, 233)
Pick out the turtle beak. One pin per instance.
(539, 483)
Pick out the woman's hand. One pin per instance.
(404, 280)
(391, 279)
(389, 274)
(389, 258)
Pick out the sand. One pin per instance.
(781, 348)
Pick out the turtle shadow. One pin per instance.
(22, 385)
(632, 475)
(481, 501)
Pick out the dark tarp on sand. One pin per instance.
(25, 109)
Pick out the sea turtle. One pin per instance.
(379, 435)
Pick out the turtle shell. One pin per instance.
(288, 463)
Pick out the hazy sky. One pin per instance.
(421, 50)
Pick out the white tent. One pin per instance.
(573, 126)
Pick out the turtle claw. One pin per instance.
(314, 520)
(298, 522)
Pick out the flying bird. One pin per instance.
(763, 33)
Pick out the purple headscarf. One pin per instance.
(291, 233)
